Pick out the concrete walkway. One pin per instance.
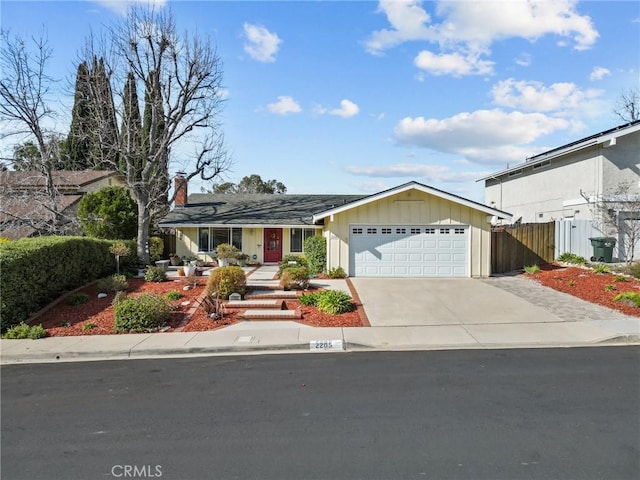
(492, 313)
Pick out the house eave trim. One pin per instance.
(412, 186)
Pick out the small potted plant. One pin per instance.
(225, 253)
(175, 259)
(189, 267)
(242, 259)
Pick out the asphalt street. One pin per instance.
(468, 414)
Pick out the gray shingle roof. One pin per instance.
(253, 209)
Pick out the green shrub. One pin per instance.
(155, 274)
(337, 272)
(156, 248)
(601, 269)
(532, 269)
(308, 299)
(173, 295)
(108, 213)
(565, 257)
(89, 326)
(294, 278)
(22, 330)
(630, 298)
(227, 280)
(142, 313)
(568, 257)
(77, 299)
(114, 283)
(36, 271)
(315, 250)
(620, 278)
(334, 302)
(609, 287)
(289, 261)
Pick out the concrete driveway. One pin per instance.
(450, 301)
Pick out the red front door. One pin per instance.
(272, 245)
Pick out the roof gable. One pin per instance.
(413, 186)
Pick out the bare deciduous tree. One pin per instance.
(24, 111)
(618, 215)
(628, 105)
(181, 78)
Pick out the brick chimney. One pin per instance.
(180, 184)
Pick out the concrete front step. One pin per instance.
(260, 303)
(272, 314)
(262, 294)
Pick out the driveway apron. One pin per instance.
(437, 301)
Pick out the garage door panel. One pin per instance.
(409, 251)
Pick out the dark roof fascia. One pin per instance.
(568, 148)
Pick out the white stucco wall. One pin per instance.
(558, 190)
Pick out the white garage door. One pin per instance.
(408, 251)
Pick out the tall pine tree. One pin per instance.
(77, 145)
(92, 140)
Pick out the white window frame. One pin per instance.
(304, 233)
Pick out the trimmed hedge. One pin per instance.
(35, 271)
(315, 250)
(227, 280)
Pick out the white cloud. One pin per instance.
(598, 73)
(284, 106)
(223, 93)
(432, 173)
(407, 19)
(483, 136)
(524, 60)
(468, 29)
(347, 109)
(454, 64)
(121, 7)
(535, 96)
(261, 45)
(483, 22)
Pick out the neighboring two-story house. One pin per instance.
(571, 181)
(26, 209)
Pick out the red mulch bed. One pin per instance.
(587, 285)
(61, 319)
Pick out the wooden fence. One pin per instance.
(516, 246)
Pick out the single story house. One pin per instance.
(411, 230)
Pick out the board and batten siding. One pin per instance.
(411, 208)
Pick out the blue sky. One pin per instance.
(356, 97)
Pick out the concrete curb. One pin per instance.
(301, 347)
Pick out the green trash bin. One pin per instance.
(602, 249)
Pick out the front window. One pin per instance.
(297, 238)
(210, 237)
